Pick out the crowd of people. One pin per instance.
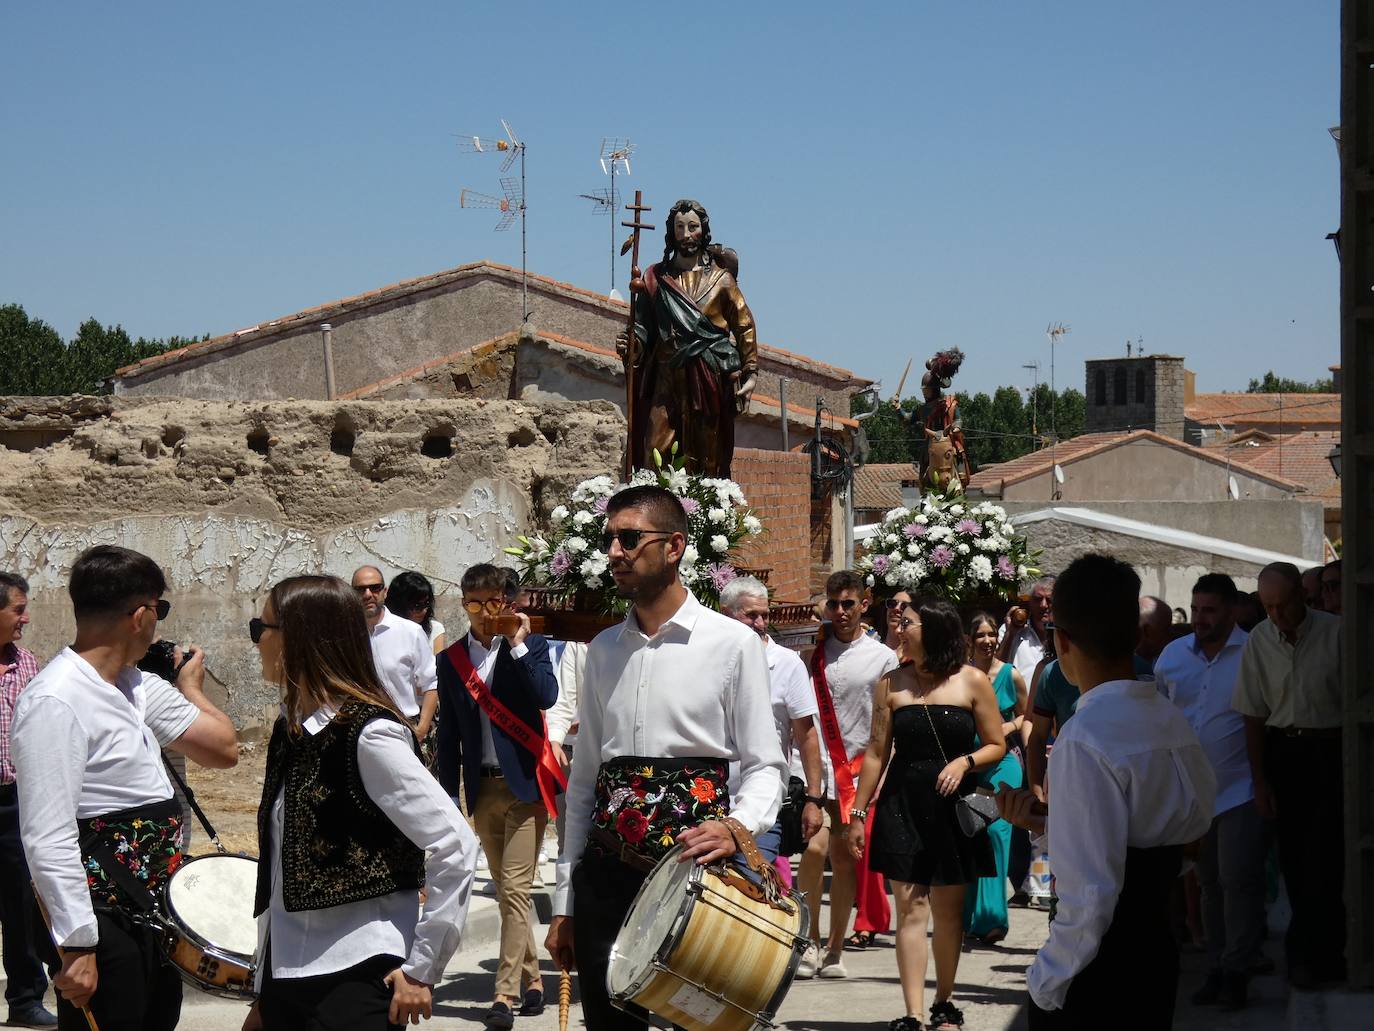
(950, 759)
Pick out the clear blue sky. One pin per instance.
(897, 177)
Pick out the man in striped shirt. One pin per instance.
(25, 982)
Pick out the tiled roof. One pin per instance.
(1300, 457)
(879, 487)
(406, 287)
(1249, 409)
(993, 478)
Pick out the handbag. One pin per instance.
(974, 812)
(790, 816)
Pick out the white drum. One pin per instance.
(701, 951)
(211, 931)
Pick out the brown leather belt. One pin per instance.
(616, 848)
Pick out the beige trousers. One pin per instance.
(510, 831)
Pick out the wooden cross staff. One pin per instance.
(631, 341)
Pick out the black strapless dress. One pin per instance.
(916, 835)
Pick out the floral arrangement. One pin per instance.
(569, 558)
(948, 547)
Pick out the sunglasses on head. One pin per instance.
(257, 626)
(369, 588)
(162, 606)
(841, 603)
(629, 539)
(491, 607)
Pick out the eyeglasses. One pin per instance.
(369, 588)
(893, 603)
(162, 606)
(905, 623)
(491, 607)
(257, 626)
(629, 539)
(832, 604)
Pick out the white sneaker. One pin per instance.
(543, 854)
(833, 968)
(810, 960)
(481, 859)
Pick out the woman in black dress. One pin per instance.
(932, 708)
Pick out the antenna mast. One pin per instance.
(1055, 331)
(511, 204)
(1033, 368)
(615, 159)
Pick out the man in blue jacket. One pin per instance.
(492, 693)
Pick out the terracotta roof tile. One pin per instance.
(879, 487)
(1300, 457)
(1243, 409)
(993, 478)
(418, 285)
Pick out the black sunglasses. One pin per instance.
(257, 626)
(894, 603)
(162, 607)
(370, 588)
(629, 539)
(841, 603)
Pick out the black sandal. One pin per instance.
(906, 1024)
(858, 941)
(532, 1005)
(943, 1016)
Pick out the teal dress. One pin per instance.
(985, 905)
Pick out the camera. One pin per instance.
(161, 661)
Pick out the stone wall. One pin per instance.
(1154, 395)
(231, 497)
(778, 486)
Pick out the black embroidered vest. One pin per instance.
(337, 845)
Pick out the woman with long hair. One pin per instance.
(934, 708)
(985, 908)
(349, 829)
(411, 596)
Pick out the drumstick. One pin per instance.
(564, 999)
(61, 953)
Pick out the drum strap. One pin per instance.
(190, 797)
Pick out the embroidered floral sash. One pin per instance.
(647, 803)
(144, 845)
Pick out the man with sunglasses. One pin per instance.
(494, 688)
(99, 823)
(401, 652)
(844, 671)
(671, 697)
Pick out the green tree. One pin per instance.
(1272, 384)
(889, 439)
(34, 354)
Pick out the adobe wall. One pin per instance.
(231, 497)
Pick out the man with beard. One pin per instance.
(1198, 674)
(669, 699)
(690, 377)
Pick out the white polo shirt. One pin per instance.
(404, 660)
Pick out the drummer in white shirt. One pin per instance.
(670, 697)
(98, 821)
(1129, 786)
(350, 826)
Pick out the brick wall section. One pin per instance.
(778, 487)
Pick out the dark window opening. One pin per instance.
(1100, 387)
(1140, 386)
(1119, 387)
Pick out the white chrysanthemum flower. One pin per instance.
(752, 526)
(576, 545)
(593, 565)
(720, 544)
(716, 515)
(962, 549)
(690, 555)
(914, 548)
(869, 580)
(980, 568)
(559, 514)
(923, 519)
(956, 510)
(896, 513)
(688, 574)
(895, 556)
(890, 539)
(582, 518)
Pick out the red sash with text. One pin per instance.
(846, 769)
(547, 773)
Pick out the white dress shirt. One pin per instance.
(852, 670)
(484, 662)
(698, 687)
(323, 941)
(81, 749)
(1026, 652)
(792, 698)
(1202, 689)
(561, 717)
(405, 661)
(1127, 771)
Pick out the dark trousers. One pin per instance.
(137, 989)
(604, 889)
(1305, 773)
(356, 999)
(20, 926)
(1230, 871)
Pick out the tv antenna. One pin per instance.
(1056, 332)
(511, 204)
(1034, 369)
(615, 160)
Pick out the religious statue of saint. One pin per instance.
(696, 349)
(946, 456)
